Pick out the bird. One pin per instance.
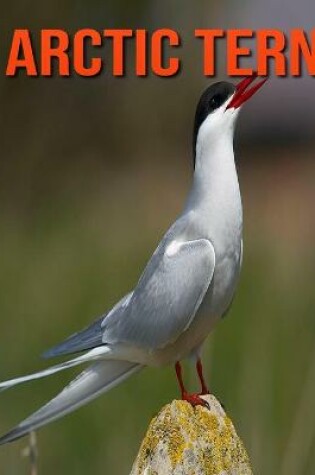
(186, 287)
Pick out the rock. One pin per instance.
(182, 440)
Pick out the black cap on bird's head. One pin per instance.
(223, 93)
(211, 99)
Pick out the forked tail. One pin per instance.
(91, 383)
(92, 355)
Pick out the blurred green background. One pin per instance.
(92, 172)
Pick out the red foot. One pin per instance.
(195, 400)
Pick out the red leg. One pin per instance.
(204, 387)
(193, 399)
(179, 376)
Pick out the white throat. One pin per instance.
(215, 193)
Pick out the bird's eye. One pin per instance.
(216, 101)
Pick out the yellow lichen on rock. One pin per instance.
(182, 440)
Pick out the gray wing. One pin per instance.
(89, 337)
(166, 298)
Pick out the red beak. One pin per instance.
(242, 93)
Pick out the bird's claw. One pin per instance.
(195, 400)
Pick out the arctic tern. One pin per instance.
(186, 287)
